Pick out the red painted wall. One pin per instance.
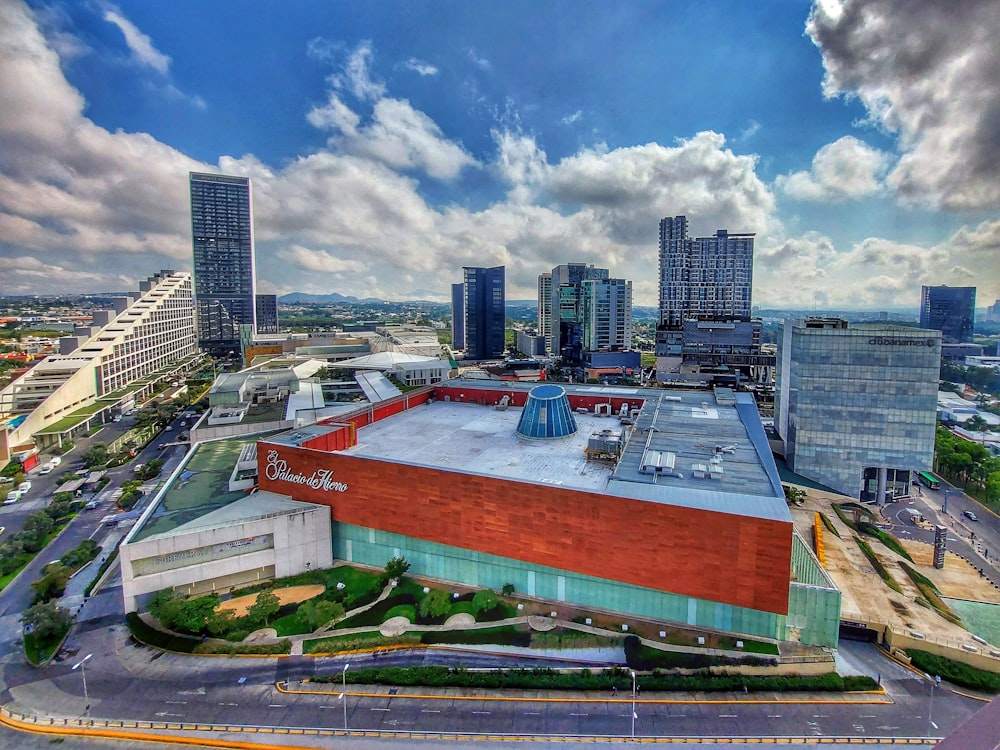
(716, 556)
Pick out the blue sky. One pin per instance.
(390, 143)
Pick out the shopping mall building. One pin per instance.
(659, 504)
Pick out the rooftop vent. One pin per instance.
(547, 414)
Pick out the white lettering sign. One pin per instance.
(321, 479)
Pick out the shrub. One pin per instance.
(887, 539)
(436, 604)
(396, 567)
(504, 636)
(484, 600)
(829, 524)
(955, 671)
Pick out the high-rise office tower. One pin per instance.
(458, 316)
(545, 308)
(707, 278)
(856, 404)
(565, 307)
(949, 309)
(224, 272)
(485, 312)
(606, 314)
(267, 313)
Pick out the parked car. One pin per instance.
(12, 497)
(970, 515)
(47, 469)
(55, 461)
(24, 486)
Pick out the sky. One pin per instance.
(391, 143)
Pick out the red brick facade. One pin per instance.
(719, 557)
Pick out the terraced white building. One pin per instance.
(148, 335)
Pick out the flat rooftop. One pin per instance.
(716, 447)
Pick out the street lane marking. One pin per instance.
(275, 705)
(485, 713)
(727, 716)
(379, 709)
(430, 711)
(579, 714)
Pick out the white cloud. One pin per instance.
(752, 128)
(926, 70)
(846, 169)
(570, 119)
(421, 67)
(356, 76)
(138, 43)
(318, 260)
(479, 62)
(101, 209)
(398, 135)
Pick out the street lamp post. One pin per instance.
(934, 682)
(343, 695)
(633, 706)
(83, 674)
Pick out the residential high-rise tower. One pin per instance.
(224, 271)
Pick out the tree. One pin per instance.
(35, 531)
(96, 455)
(977, 424)
(435, 604)
(507, 589)
(264, 607)
(53, 582)
(317, 613)
(47, 620)
(485, 600)
(220, 621)
(165, 605)
(396, 567)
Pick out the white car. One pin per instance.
(24, 486)
(47, 469)
(12, 497)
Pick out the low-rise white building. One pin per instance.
(262, 537)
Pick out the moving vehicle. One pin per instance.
(12, 497)
(55, 461)
(47, 469)
(928, 480)
(24, 486)
(970, 515)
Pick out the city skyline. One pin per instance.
(855, 141)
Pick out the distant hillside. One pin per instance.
(299, 297)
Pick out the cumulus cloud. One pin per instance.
(395, 133)
(846, 169)
(927, 71)
(139, 44)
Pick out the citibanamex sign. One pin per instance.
(321, 479)
(883, 341)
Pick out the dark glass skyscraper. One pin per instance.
(485, 312)
(224, 274)
(949, 309)
(267, 313)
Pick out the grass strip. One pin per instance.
(887, 539)
(829, 524)
(955, 671)
(884, 574)
(930, 593)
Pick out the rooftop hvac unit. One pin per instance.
(657, 462)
